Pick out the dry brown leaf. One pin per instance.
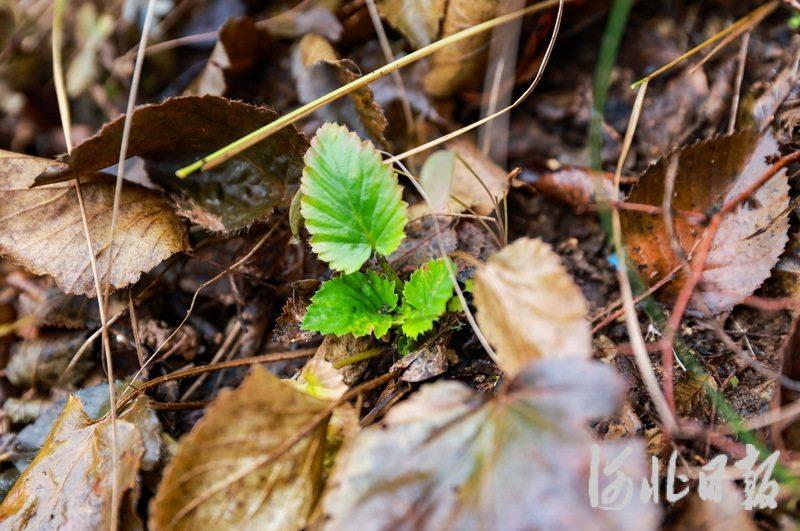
(42, 361)
(724, 515)
(447, 458)
(461, 64)
(460, 178)
(41, 228)
(240, 45)
(215, 481)
(179, 131)
(318, 71)
(573, 186)
(749, 240)
(417, 20)
(68, 484)
(529, 307)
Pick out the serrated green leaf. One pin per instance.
(355, 304)
(351, 200)
(425, 297)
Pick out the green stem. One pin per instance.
(361, 356)
(615, 26)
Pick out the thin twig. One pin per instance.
(631, 319)
(397, 79)
(228, 152)
(63, 107)
(737, 28)
(737, 87)
(195, 371)
(545, 60)
(200, 288)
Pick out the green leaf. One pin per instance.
(352, 304)
(351, 200)
(425, 297)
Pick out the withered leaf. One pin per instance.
(239, 47)
(68, 484)
(529, 307)
(223, 476)
(448, 459)
(41, 228)
(42, 361)
(417, 20)
(179, 131)
(573, 186)
(460, 64)
(708, 174)
(711, 515)
(318, 71)
(461, 178)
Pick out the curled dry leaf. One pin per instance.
(179, 131)
(41, 228)
(417, 20)
(240, 45)
(234, 471)
(529, 307)
(318, 71)
(576, 187)
(448, 459)
(321, 380)
(461, 64)
(462, 178)
(68, 484)
(749, 240)
(711, 515)
(42, 361)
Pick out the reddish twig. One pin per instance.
(699, 264)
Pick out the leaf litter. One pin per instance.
(341, 296)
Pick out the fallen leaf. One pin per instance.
(711, 515)
(68, 484)
(448, 459)
(318, 71)
(91, 31)
(179, 131)
(759, 109)
(573, 186)
(240, 45)
(287, 326)
(294, 23)
(42, 361)
(708, 174)
(436, 178)
(462, 178)
(478, 183)
(228, 472)
(56, 308)
(529, 307)
(691, 393)
(94, 402)
(428, 361)
(417, 20)
(461, 64)
(41, 228)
